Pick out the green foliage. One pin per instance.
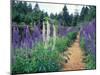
(23, 12)
(22, 61)
(82, 43)
(39, 46)
(66, 16)
(28, 18)
(92, 13)
(52, 16)
(90, 61)
(75, 20)
(19, 10)
(87, 13)
(83, 13)
(60, 44)
(72, 35)
(36, 13)
(41, 60)
(83, 46)
(63, 43)
(46, 61)
(68, 42)
(22, 65)
(71, 18)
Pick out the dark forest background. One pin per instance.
(23, 13)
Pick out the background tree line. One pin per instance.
(22, 12)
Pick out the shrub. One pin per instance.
(72, 36)
(42, 60)
(82, 43)
(68, 42)
(63, 43)
(90, 61)
(22, 62)
(39, 46)
(22, 65)
(46, 61)
(60, 44)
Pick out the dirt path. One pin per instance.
(75, 57)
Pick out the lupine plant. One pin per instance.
(88, 43)
(40, 49)
(15, 37)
